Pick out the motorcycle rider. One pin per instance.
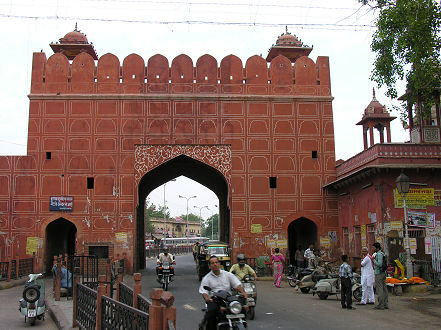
(217, 279)
(165, 256)
(241, 268)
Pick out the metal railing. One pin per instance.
(16, 268)
(4, 269)
(125, 294)
(86, 307)
(144, 303)
(117, 315)
(25, 267)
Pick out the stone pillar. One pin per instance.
(76, 281)
(101, 291)
(371, 136)
(155, 310)
(108, 278)
(58, 280)
(17, 266)
(389, 139)
(9, 270)
(137, 289)
(167, 299)
(365, 141)
(34, 263)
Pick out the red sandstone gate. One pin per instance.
(259, 134)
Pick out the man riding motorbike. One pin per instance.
(241, 268)
(217, 279)
(165, 256)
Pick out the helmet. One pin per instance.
(240, 257)
(165, 250)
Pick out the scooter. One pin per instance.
(295, 274)
(250, 289)
(331, 286)
(32, 305)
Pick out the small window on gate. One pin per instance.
(90, 183)
(99, 251)
(273, 182)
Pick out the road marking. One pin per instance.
(189, 307)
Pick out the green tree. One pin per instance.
(407, 45)
(211, 222)
(152, 211)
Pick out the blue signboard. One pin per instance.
(61, 203)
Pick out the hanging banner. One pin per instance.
(428, 245)
(121, 237)
(413, 245)
(31, 245)
(415, 198)
(363, 235)
(421, 219)
(396, 225)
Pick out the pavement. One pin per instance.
(62, 311)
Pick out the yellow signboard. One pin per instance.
(256, 228)
(413, 245)
(416, 198)
(363, 235)
(396, 225)
(325, 241)
(31, 245)
(271, 243)
(121, 237)
(283, 244)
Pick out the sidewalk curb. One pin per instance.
(57, 315)
(7, 285)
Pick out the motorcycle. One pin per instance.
(331, 286)
(165, 275)
(295, 274)
(250, 289)
(232, 310)
(32, 305)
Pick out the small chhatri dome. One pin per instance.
(375, 107)
(74, 37)
(290, 46)
(73, 44)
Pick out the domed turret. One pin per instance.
(290, 46)
(74, 43)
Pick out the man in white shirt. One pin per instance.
(309, 253)
(217, 280)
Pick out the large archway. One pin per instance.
(193, 169)
(303, 232)
(60, 239)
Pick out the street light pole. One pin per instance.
(186, 225)
(403, 184)
(200, 216)
(164, 211)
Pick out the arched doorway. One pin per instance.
(303, 232)
(60, 239)
(192, 169)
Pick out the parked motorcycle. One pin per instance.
(295, 274)
(232, 310)
(165, 274)
(331, 286)
(32, 305)
(250, 289)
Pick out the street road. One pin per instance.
(287, 308)
(11, 318)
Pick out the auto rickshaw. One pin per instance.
(208, 249)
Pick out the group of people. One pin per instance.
(371, 273)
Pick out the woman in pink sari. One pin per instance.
(277, 259)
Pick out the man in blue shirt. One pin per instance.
(380, 278)
(345, 273)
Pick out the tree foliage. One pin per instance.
(152, 211)
(407, 45)
(209, 226)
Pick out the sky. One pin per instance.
(339, 29)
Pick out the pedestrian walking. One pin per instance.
(367, 278)
(346, 275)
(309, 253)
(299, 256)
(380, 278)
(277, 260)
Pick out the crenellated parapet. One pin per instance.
(58, 75)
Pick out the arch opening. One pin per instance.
(60, 239)
(193, 169)
(301, 232)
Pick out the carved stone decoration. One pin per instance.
(149, 156)
(431, 134)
